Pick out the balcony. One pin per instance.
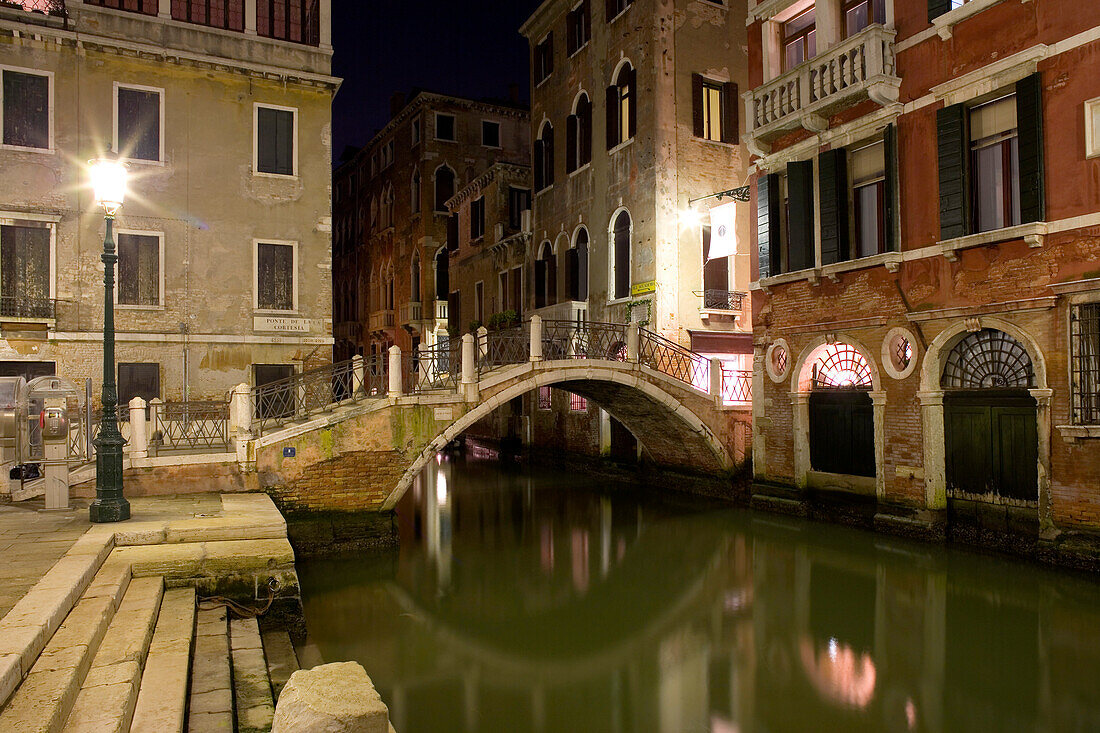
(381, 320)
(856, 69)
(26, 308)
(575, 311)
(720, 302)
(412, 312)
(440, 314)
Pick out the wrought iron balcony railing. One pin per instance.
(855, 69)
(20, 306)
(722, 300)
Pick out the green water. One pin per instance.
(540, 601)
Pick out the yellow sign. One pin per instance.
(644, 288)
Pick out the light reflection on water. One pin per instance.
(543, 601)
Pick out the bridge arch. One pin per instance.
(622, 389)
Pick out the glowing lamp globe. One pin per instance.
(108, 177)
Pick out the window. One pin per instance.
(546, 285)
(387, 207)
(227, 14)
(578, 266)
(147, 7)
(714, 109)
(716, 277)
(275, 281)
(276, 145)
(138, 118)
(414, 191)
(444, 188)
(620, 266)
(868, 175)
(578, 144)
(139, 271)
(1085, 360)
(799, 39)
(616, 7)
(544, 157)
(577, 403)
(622, 107)
(298, 21)
(444, 127)
(994, 165)
(25, 271)
(519, 201)
(415, 131)
(858, 14)
(544, 58)
(517, 290)
(545, 402)
(477, 218)
(1092, 128)
(387, 155)
(490, 134)
(26, 109)
(137, 380)
(578, 25)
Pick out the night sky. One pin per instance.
(469, 49)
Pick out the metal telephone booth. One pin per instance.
(53, 416)
(13, 416)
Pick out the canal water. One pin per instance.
(531, 600)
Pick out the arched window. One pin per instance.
(373, 212)
(578, 266)
(442, 276)
(415, 192)
(622, 107)
(414, 278)
(546, 277)
(387, 207)
(578, 133)
(841, 366)
(544, 157)
(620, 265)
(988, 359)
(389, 288)
(444, 187)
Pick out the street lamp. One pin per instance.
(108, 179)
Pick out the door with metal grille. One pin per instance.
(990, 422)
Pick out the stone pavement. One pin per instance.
(31, 541)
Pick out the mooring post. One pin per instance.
(395, 372)
(469, 387)
(633, 342)
(139, 439)
(536, 338)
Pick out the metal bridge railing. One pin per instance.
(433, 369)
(587, 340)
(505, 347)
(668, 357)
(736, 385)
(178, 426)
(297, 397)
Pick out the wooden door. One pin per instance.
(842, 432)
(991, 443)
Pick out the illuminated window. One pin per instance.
(712, 111)
(1092, 128)
(841, 367)
(577, 403)
(995, 165)
(799, 39)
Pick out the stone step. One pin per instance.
(210, 706)
(162, 698)
(110, 690)
(50, 689)
(251, 684)
(281, 659)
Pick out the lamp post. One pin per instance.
(108, 177)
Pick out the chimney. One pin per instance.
(513, 93)
(397, 102)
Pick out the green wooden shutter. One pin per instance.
(832, 170)
(893, 190)
(1029, 117)
(697, 105)
(632, 104)
(767, 224)
(540, 174)
(953, 172)
(612, 110)
(800, 214)
(937, 8)
(572, 152)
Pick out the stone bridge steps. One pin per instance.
(162, 698)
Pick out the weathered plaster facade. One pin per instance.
(203, 198)
(934, 289)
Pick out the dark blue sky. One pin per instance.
(470, 49)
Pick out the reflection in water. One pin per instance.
(529, 601)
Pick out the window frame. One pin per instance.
(802, 36)
(256, 172)
(256, 275)
(571, 25)
(160, 94)
(499, 127)
(513, 191)
(709, 118)
(51, 149)
(627, 4)
(543, 66)
(454, 127)
(160, 276)
(612, 250)
(1092, 142)
(1008, 142)
(879, 182)
(1077, 303)
(477, 219)
(123, 404)
(415, 133)
(848, 5)
(51, 222)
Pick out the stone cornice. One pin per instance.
(509, 171)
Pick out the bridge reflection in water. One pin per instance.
(540, 601)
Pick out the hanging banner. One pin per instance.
(723, 231)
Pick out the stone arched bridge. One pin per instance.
(353, 436)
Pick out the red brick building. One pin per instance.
(926, 220)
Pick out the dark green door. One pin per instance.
(991, 443)
(842, 432)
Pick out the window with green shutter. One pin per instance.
(767, 224)
(800, 215)
(139, 269)
(832, 169)
(275, 141)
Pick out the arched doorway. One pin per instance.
(990, 417)
(842, 420)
